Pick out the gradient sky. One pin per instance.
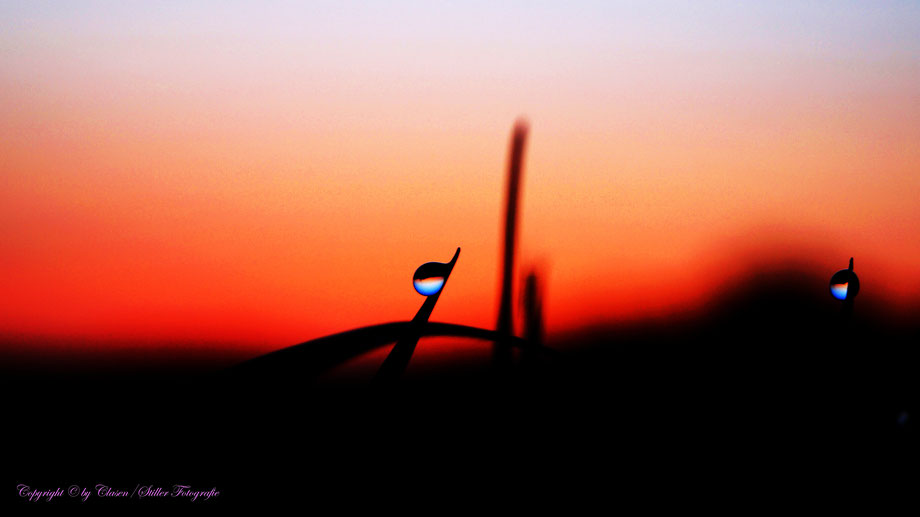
(263, 173)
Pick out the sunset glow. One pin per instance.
(258, 176)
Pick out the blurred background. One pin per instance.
(236, 178)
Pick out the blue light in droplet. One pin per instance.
(844, 284)
(839, 291)
(428, 286)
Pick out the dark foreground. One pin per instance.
(767, 385)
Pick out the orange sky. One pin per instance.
(262, 178)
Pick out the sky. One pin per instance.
(260, 174)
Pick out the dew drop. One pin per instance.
(429, 278)
(844, 284)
